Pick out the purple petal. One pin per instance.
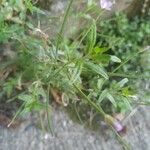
(106, 4)
(118, 126)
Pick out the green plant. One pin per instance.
(129, 40)
(93, 68)
(125, 37)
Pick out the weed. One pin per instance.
(93, 68)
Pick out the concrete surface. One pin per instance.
(68, 135)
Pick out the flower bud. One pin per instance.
(116, 124)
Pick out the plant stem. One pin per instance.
(98, 108)
(126, 146)
(128, 59)
(128, 76)
(63, 24)
(47, 111)
(17, 113)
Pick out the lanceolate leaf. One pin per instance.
(105, 94)
(76, 72)
(115, 59)
(100, 50)
(122, 82)
(91, 37)
(97, 68)
(102, 96)
(127, 103)
(111, 99)
(25, 97)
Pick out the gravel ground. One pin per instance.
(68, 135)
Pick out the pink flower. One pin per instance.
(106, 4)
(116, 124)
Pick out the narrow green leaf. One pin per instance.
(76, 72)
(102, 96)
(25, 97)
(100, 83)
(112, 100)
(100, 50)
(127, 103)
(115, 59)
(103, 58)
(97, 68)
(91, 37)
(122, 82)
